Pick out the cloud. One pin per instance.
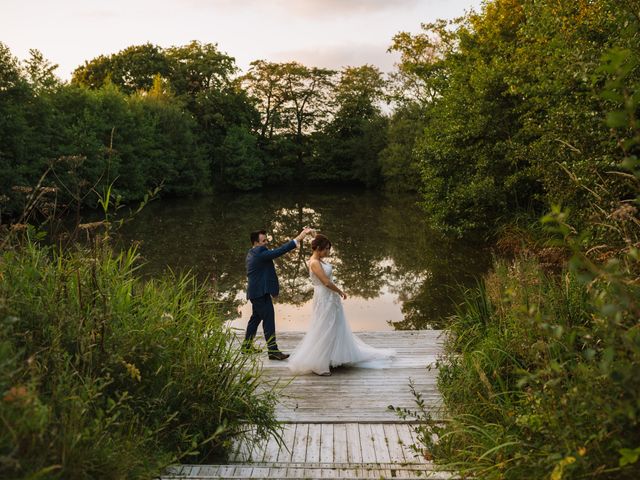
(336, 57)
(310, 8)
(339, 7)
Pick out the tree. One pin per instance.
(40, 72)
(264, 85)
(399, 162)
(15, 95)
(294, 103)
(349, 148)
(132, 69)
(421, 72)
(197, 68)
(306, 91)
(241, 164)
(94, 73)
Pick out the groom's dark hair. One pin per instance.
(255, 236)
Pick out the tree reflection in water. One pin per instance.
(381, 246)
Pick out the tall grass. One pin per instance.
(538, 382)
(105, 376)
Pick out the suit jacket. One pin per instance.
(261, 273)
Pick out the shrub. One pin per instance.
(103, 375)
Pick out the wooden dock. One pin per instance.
(341, 426)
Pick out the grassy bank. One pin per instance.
(104, 376)
(541, 375)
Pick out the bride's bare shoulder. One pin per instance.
(313, 263)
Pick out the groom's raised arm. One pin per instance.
(287, 247)
(277, 252)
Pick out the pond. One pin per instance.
(397, 272)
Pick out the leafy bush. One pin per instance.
(103, 375)
(511, 111)
(541, 376)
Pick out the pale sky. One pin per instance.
(323, 33)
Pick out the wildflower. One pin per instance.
(16, 394)
(133, 371)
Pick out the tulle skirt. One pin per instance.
(330, 342)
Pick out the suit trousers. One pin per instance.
(262, 311)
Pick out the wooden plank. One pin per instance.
(354, 449)
(226, 471)
(313, 444)
(243, 471)
(296, 473)
(207, 471)
(277, 472)
(404, 434)
(366, 442)
(326, 443)
(260, 472)
(257, 453)
(396, 452)
(191, 470)
(340, 443)
(301, 439)
(272, 448)
(381, 444)
(310, 470)
(336, 426)
(243, 451)
(288, 438)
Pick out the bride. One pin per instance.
(330, 342)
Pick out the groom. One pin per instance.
(262, 285)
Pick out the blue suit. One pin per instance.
(262, 285)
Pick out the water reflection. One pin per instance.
(397, 272)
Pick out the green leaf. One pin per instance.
(617, 119)
(612, 95)
(628, 456)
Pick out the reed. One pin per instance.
(103, 375)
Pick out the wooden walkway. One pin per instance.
(341, 426)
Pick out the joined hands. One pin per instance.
(306, 231)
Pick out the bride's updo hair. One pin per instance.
(320, 242)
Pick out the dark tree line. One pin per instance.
(494, 114)
(182, 118)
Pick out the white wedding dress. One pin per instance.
(329, 341)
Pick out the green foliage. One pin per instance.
(103, 375)
(348, 147)
(132, 69)
(512, 113)
(91, 138)
(198, 67)
(399, 165)
(198, 78)
(541, 376)
(241, 164)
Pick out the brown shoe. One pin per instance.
(278, 356)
